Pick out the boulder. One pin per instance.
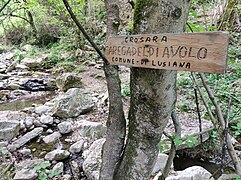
(90, 129)
(26, 174)
(73, 103)
(194, 172)
(65, 127)
(25, 138)
(69, 80)
(92, 160)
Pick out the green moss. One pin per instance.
(141, 6)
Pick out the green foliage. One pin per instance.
(4, 151)
(237, 129)
(191, 141)
(43, 174)
(126, 91)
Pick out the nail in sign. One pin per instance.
(198, 52)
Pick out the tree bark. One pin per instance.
(153, 93)
(116, 124)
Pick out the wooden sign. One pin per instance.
(200, 52)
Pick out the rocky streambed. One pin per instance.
(54, 126)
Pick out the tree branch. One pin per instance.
(172, 151)
(230, 147)
(5, 5)
(81, 28)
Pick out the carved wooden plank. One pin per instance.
(200, 52)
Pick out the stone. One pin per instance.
(194, 172)
(67, 177)
(3, 67)
(4, 76)
(68, 80)
(52, 138)
(10, 124)
(21, 67)
(160, 163)
(26, 174)
(35, 63)
(73, 103)
(77, 147)
(9, 129)
(25, 138)
(90, 129)
(46, 119)
(13, 86)
(25, 152)
(59, 167)
(65, 127)
(42, 109)
(29, 122)
(57, 155)
(27, 164)
(92, 160)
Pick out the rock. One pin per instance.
(52, 138)
(25, 152)
(25, 138)
(160, 163)
(10, 124)
(21, 67)
(191, 173)
(33, 63)
(228, 176)
(27, 47)
(42, 109)
(68, 80)
(65, 127)
(3, 67)
(13, 86)
(27, 164)
(29, 122)
(9, 129)
(76, 147)
(4, 76)
(57, 155)
(67, 177)
(33, 85)
(92, 162)
(59, 167)
(191, 130)
(46, 119)
(26, 174)
(90, 129)
(3, 144)
(73, 103)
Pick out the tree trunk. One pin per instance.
(229, 17)
(153, 93)
(116, 124)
